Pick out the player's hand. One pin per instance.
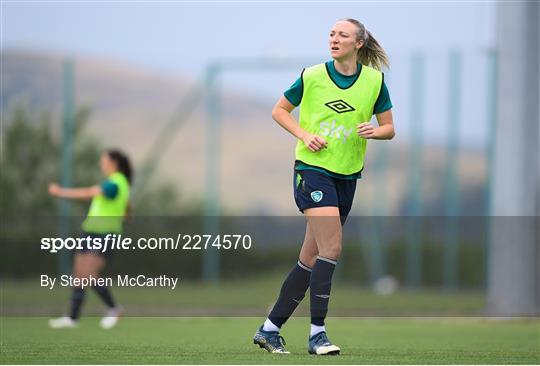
(54, 189)
(314, 142)
(365, 130)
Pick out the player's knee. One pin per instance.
(331, 251)
(78, 273)
(308, 259)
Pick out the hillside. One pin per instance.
(130, 105)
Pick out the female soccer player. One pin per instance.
(337, 100)
(105, 216)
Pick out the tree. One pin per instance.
(30, 161)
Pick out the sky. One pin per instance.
(181, 38)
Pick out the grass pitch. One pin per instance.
(228, 341)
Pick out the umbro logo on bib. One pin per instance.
(339, 106)
(316, 196)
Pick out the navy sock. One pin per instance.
(105, 295)
(77, 299)
(292, 292)
(320, 285)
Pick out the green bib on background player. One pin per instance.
(333, 113)
(105, 214)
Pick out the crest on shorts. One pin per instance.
(316, 196)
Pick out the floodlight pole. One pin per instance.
(211, 263)
(514, 252)
(414, 237)
(451, 182)
(491, 124)
(377, 246)
(68, 119)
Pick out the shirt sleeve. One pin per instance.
(383, 102)
(110, 189)
(294, 93)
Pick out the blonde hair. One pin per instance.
(371, 53)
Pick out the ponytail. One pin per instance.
(371, 53)
(122, 163)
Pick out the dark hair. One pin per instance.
(122, 163)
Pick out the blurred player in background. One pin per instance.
(337, 100)
(106, 214)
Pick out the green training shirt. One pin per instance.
(107, 210)
(333, 113)
(294, 96)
